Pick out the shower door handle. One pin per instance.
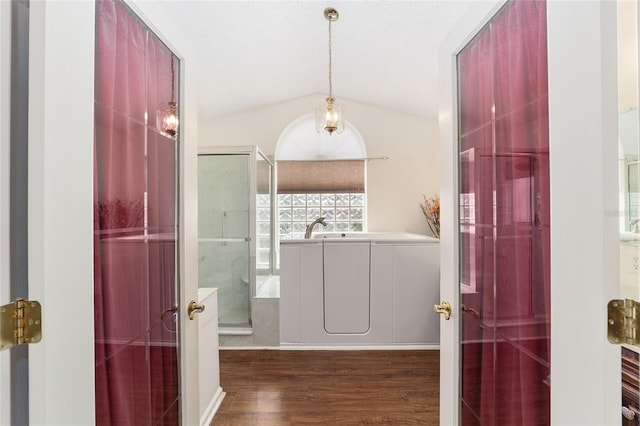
(193, 309)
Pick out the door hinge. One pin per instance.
(20, 323)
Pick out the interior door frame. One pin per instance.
(61, 85)
(5, 110)
(583, 126)
(60, 217)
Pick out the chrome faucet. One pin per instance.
(309, 230)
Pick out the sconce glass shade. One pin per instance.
(330, 117)
(167, 119)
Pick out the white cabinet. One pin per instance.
(359, 292)
(211, 393)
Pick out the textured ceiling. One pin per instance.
(255, 53)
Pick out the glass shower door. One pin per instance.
(266, 285)
(224, 239)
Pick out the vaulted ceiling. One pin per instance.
(255, 53)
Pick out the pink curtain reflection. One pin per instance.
(135, 224)
(505, 225)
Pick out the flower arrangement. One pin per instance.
(431, 209)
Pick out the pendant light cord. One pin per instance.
(173, 78)
(330, 84)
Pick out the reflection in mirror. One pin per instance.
(632, 203)
(629, 166)
(629, 146)
(629, 178)
(628, 124)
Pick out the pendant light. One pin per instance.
(329, 114)
(169, 115)
(170, 119)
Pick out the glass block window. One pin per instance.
(342, 212)
(263, 231)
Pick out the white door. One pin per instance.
(583, 155)
(629, 173)
(61, 78)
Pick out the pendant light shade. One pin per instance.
(329, 114)
(169, 119)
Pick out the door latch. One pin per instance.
(20, 323)
(443, 308)
(193, 309)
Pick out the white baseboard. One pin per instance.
(299, 347)
(207, 415)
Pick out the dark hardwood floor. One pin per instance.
(271, 387)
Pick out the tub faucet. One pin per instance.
(309, 230)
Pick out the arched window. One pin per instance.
(320, 175)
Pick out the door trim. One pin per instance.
(583, 146)
(61, 210)
(5, 111)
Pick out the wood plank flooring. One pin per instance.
(271, 387)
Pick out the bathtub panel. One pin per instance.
(347, 299)
(381, 293)
(416, 288)
(300, 291)
(311, 277)
(302, 302)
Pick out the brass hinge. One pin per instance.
(20, 323)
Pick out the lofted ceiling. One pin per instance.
(256, 53)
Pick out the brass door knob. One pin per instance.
(443, 308)
(193, 309)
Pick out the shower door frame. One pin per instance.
(252, 153)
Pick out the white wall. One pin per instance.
(394, 186)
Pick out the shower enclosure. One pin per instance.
(235, 228)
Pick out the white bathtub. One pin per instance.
(374, 236)
(359, 289)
